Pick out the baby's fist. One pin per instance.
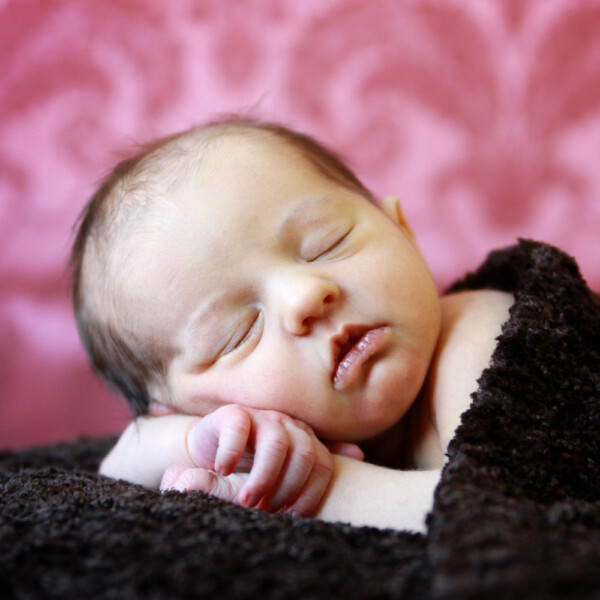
(279, 462)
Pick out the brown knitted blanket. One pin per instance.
(516, 514)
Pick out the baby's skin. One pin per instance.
(310, 336)
(255, 458)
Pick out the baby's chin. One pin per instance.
(358, 431)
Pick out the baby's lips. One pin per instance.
(341, 343)
(369, 344)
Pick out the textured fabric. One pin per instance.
(483, 116)
(516, 514)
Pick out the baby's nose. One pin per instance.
(307, 300)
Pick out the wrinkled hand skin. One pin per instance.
(270, 461)
(257, 458)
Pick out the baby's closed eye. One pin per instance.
(243, 331)
(324, 246)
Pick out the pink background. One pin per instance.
(483, 115)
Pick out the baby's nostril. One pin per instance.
(306, 324)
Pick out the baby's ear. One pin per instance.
(390, 205)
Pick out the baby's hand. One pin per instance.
(279, 462)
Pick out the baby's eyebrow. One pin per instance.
(196, 331)
(308, 204)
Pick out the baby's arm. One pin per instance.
(280, 463)
(166, 448)
(361, 493)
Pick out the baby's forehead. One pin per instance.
(213, 181)
(235, 192)
(242, 165)
(209, 149)
(195, 158)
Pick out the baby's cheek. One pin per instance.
(284, 392)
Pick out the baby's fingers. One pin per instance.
(185, 479)
(346, 449)
(219, 440)
(310, 497)
(171, 475)
(272, 444)
(301, 459)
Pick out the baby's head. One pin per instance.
(242, 262)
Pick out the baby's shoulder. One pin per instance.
(473, 313)
(471, 322)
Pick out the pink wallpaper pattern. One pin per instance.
(483, 115)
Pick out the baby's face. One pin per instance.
(284, 290)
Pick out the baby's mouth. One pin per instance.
(351, 349)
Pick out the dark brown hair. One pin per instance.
(130, 364)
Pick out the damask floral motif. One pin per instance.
(57, 52)
(238, 47)
(510, 95)
(64, 65)
(484, 115)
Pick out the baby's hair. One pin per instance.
(126, 361)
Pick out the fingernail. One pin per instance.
(251, 500)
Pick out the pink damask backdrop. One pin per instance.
(483, 115)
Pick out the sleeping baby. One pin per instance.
(275, 328)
